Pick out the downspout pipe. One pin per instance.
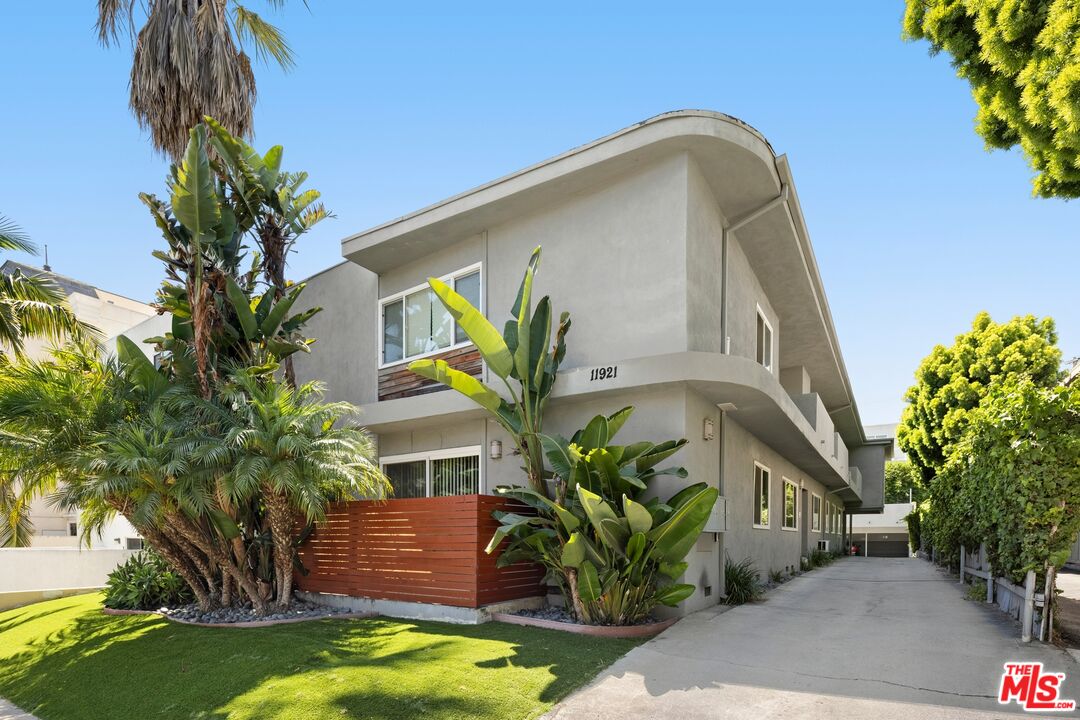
(740, 222)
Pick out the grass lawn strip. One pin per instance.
(65, 660)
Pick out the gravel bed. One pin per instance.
(558, 614)
(244, 613)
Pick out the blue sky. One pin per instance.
(394, 106)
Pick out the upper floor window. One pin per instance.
(791, 506)
(761, 496)
(414, 323)
(764, 341)
(434, 474)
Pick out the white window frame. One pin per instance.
(821, 511)
(429, 455)
(768, 505)
(772, 340)
(449, 279)
(783, 501)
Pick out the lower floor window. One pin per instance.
(434, 474)
(791, 505)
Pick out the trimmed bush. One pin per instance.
(741, 581)
(145, 582)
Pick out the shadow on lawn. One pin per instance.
(572, 660)
(28, 614)
(130, 668)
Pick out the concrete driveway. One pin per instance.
(864, 638)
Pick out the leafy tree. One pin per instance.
(1023, 64)
(951, 381)
(1013, 482)
(32, 306)
(900, 477)
(189, 61)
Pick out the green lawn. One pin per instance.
(64, 660)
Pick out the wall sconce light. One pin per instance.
(708, 432)
(495, 449)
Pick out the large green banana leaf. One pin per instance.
(483, 334)
(194, 201)
(467, 385)
(675, 536)
(589, 582)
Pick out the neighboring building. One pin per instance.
(679, 248)
(887, 431)
(112, 314)
(883, 534)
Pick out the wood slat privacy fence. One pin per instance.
(427, 550)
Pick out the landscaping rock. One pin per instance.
(244, 613)
(558, 614)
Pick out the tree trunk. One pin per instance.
(575, 598)
(281, 530)
(179, 563)
(275, 251)
(202, 564)
(200, 328)
(240, 574)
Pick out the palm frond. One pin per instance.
(268, 40)
(12, 237)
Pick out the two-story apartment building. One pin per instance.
(679, 248)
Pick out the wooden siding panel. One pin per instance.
(397, 381)
(428, 550)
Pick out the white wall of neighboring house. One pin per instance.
(888, 520)
(886, 430)
(153, 326)
(39, 573)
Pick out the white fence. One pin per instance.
(33, 569)
(1021, 602)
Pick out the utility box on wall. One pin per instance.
(717, 522)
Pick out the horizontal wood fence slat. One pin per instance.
(428, 550)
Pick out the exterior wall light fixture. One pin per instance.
(495, 449)
(708, 432)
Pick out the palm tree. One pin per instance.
(32, 306)
(49, 410)
(189, 62)
(288, 449)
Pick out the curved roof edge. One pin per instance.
(406, 223)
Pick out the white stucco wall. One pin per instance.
(27, 569)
